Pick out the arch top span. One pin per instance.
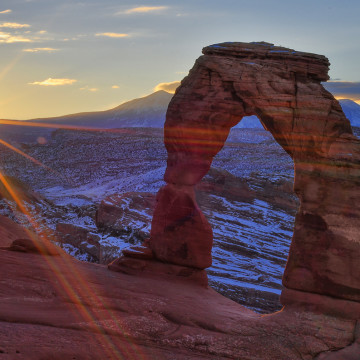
(312, 65)
(282, 87)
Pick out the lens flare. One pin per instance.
(77, 289)
(61, 126)
(24, 154)
(90, 304)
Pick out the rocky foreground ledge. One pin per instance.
(56, 307)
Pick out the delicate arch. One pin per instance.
(283, 88)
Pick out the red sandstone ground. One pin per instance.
(56, 307)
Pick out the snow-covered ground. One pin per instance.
(81, 168)
(251, 236)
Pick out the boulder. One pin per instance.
(81, 238)
(129, 213)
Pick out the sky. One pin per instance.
(60, 57)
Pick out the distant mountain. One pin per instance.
(148, 111)
(249, 122)
(351, 110)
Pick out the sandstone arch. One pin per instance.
(283, 88)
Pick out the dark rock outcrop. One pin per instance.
(35, 246)
(127, 213)
(283, 88)
(81, 238)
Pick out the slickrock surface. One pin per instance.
(283, 88)
(56, 307)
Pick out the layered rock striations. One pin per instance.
(282, 87)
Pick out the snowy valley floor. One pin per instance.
(247, 198)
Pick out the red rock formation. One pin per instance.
(283, 88)
(56, 307)
(81, 238)
(126, 213)
(183, 235)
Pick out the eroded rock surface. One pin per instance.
(283, 88)
(56, 307)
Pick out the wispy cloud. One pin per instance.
(92, 89)
(344, 89)
(143, 9)
(12, 25)
(9, 38)
(45, 49)
(112, 35)
(54, 82)
(169, 87)
(6, 11)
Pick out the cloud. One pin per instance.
(112, 35)
(11, 25)
(143, 9)
(89, 89)
(9, 38)
(40, 49)
(115, 87)
(344, 89)
(169, 87)
(6, 11)
(54, 82)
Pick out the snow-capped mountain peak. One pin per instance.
(351, 110)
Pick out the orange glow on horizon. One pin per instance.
(347, 97)
(60, 126)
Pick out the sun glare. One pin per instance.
(10, 65)
(23, 154)
(77, 287)
(60, 126)
(80, 291)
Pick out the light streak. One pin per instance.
(37, 162)
(60, 126)
(8, 67)
(77, 288)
